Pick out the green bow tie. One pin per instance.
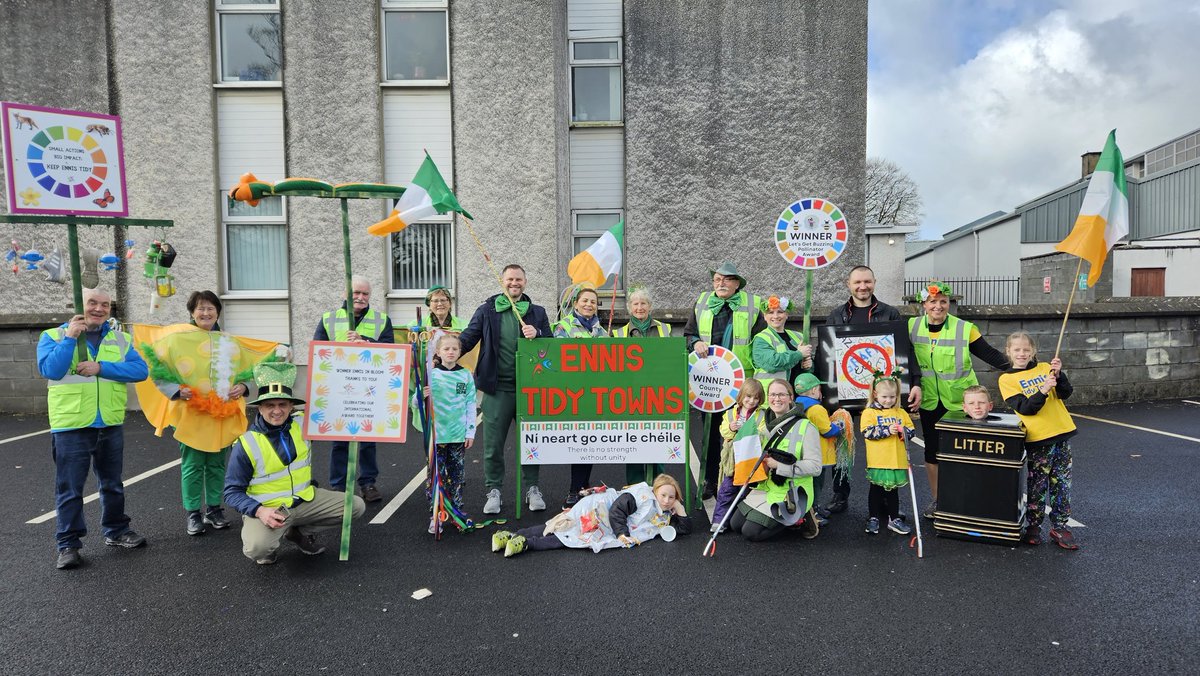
(503, 304)
(715, 302)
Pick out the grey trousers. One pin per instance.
(323, 512)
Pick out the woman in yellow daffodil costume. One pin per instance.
(199, 379)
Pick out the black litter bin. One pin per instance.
(981, 478)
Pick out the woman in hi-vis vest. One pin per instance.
(944, 345)
(641, 325)
(580, 319)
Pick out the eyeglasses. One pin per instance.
(778, 395)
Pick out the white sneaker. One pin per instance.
(536, 503)
(492, 506)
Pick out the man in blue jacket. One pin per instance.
(86, 398)
(498, 324)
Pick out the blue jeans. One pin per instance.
(368, 468)
(74, 453)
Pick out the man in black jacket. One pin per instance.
(498, 324)
(864, 308)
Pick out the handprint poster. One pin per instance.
(357, 391)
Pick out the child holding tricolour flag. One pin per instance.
(742, 428)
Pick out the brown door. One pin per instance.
(1148, 282)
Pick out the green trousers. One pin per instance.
(499, 413)
(202, 477)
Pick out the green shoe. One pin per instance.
(515, 546)
(499, 539)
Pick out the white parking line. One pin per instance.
(23, 436)
(96, 496)
(1135, 427)
(390, 508)
(1074, 524)
(1189, 401)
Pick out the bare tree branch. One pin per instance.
(892, 197)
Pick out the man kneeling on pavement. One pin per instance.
(269, 478)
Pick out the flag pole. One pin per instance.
(613, 305)
(488, 259)
(1074, 285)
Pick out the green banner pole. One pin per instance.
(76, 284)
(703, 460)
(346, 252)
(808, 285)
(348, 508)
(520, 471)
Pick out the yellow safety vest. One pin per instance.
(663, 329)
(776, 342)
(74, 399)
(337, 327)
(777, 492)
(744, 317)
(945, 362)
(569, 327)
(274, 483)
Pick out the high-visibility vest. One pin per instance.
(569, 327)
(456, 324)
(777, 492)
(274, 483)
(945, 362)
(74, 399)
(663, 329)
(744, 317)
(776, 342)
(337, 327)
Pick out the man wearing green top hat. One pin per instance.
(730, 317)
(269, 478)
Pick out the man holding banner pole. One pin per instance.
(497, 325)
(730, 317)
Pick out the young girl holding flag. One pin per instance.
(744, 412)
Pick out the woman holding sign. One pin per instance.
(779, 352)
(793, 458)
(943, 345)
(579, 320)
(641, 325)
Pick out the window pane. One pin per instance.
(257, 257)
(595, 222)
(416, 45)
(267, 207)
(250, 47)
(247, 2)
(597, 93)
(422, 256)
(595, 50)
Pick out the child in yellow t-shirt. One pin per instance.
(885, 426)
(1035, 391)
(830, 426)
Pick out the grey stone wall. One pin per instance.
(334, 132)
(22, 390)
(73, 74)
(1061, 267)
(733, 110)
(510, 124)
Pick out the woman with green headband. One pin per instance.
(440, 314)
(641, 325)
(579, 320)
(944, 345)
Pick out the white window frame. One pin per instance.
(281, 219)
(396, 6)
(619, 215)
(573, 63)
(218, 10)
(225, 267)
(446, 220)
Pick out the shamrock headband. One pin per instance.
(932, 289)
(778, 303)
(433, 290)
(880, 376)
(567, 302)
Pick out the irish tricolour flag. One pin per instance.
(427, 195)
(747, 447)
(1104, 216)
(601, 259)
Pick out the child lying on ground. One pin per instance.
(605, 519)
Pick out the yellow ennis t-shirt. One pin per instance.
(885, 453)
(818, 416)
(1053, 419)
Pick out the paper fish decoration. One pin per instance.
(109, 261)
(32, 257)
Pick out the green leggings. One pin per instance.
(203, 477)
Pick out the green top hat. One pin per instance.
(728, 269)
(805, 382)
(275, 381)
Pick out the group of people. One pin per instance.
(266, 474)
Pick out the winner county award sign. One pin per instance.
(811, 233)
(714, 381)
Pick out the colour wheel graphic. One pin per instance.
(66, 161)
(811, 233)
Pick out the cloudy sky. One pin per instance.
(989, 103)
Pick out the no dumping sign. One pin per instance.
(714, 381)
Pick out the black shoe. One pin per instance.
(821, 512)
(128, 540)
(195, 523)
(838, 505)
(571, 500)
(215, 517)
(307, 543)
(708, 491)
(371, 494)
(68, 558)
